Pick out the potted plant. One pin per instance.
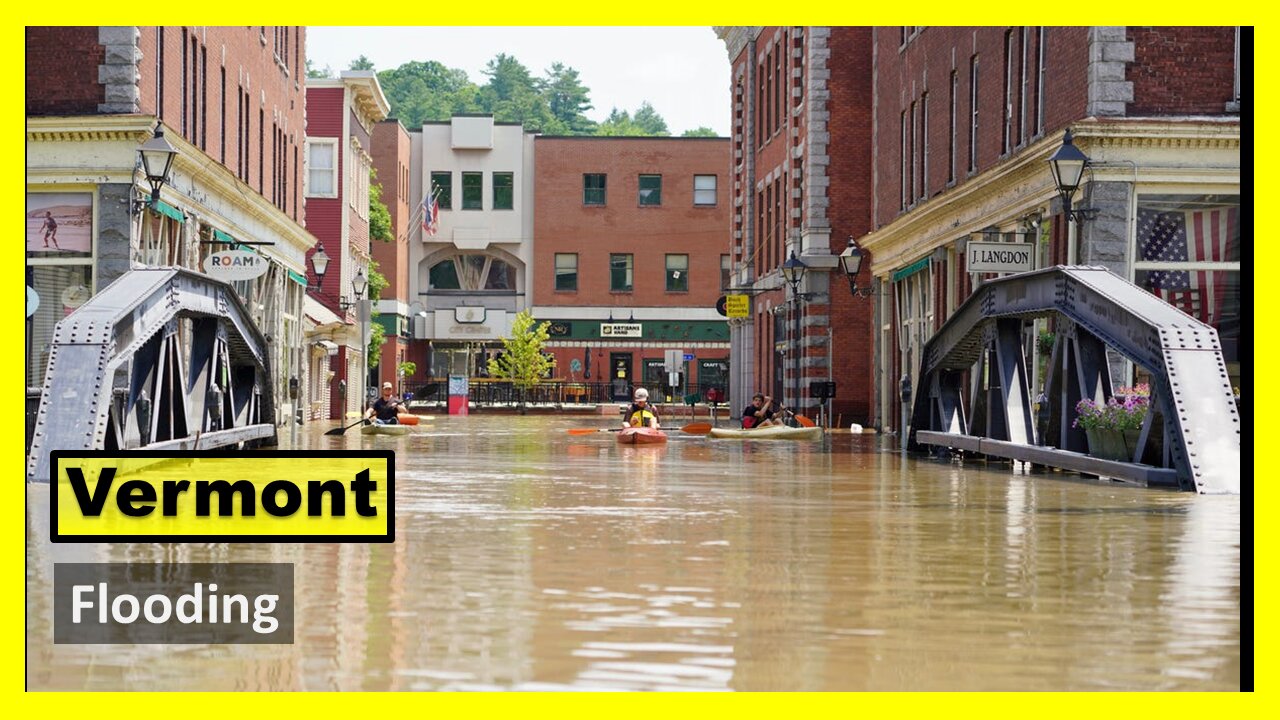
(1113, 427)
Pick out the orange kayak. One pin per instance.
(641, 436)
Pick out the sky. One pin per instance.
(682, 71)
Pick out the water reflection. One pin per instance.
(527, 558)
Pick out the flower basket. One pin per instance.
(1111, 444)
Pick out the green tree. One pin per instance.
(619, 123)
(379, 215)
(361, 63)
(645, 123)
(421, 91)
(568, 99)
(316, 73)
(377, 335)
(522, 361)
(513, 95)
(650, 121)
(702, 131)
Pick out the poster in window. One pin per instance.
(59, 224)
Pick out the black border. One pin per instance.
(388, 455)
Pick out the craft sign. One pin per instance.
(998, 257)
(232, 265)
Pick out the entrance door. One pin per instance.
(620, 376)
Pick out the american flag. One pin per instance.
(430, 214)
(1188, 237)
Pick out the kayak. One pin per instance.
(641, 436)
(385, 430)
(773, 432)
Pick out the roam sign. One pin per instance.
(232, 265)
(998, 257)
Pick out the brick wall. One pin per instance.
(1181, 70)
(57, 63)
(562, 223)
(391, 159)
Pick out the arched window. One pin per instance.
(444, 276)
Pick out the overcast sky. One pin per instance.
(682, 71)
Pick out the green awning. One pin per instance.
(224, 237)
(300, 279)
(165, 208)
(912, 269)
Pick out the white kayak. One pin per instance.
(773, 432)
(385, 430)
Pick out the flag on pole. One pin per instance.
(430, 214)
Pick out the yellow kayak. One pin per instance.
(773, 432)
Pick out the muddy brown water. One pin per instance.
(527, 558)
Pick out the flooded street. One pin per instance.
(526, 558)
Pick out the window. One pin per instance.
(726, 272)
(501, 276)
(924, 142)
(503, 190)
(444, 276)
(650, 190)
(442, 182)
(1008, 93)
(973, 113)
(704, 189)
(593, 189)
(472, 191)
(620, 271)
(321, 167)
(677, 273)
(1022, 85)
(915, 152)
(1042, 36)
(902, 165)
(951, 131)
(566, 272)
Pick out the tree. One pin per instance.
(379, 215)
(702, 131)
(568, 99)
(513, 95)
(421, 91)
(377, 334)
(317, 74)
(645, 123)
(361, 63)
(650, 121)
(522, 361)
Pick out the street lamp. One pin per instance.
(157, 160)
(319, 263)
(358, 284)
(1067, 164)
(793, 270)
(851, 263)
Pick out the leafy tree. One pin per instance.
(650, 121)
(619, 123)
(513, 95)
(421, 91)
(361, 63)
(702, 131)
(645, 123)
(379, 215)
(377, 335)
(522, 361)
(316, 73)
(568, 99)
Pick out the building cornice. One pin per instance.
(736, 37)
(1024, 180)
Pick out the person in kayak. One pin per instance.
(759, 413)
(386, 409)
(640, 414)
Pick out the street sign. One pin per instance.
(673, 360)
(688, 357)
(998, 257)
(737, 306)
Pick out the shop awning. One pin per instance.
(912, 269)
(168, 210)
(298, 278)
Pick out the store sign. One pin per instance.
(233, 265)
(560, 329)
(998, 257)
(614, 330)
(737, 306)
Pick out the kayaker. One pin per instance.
(759, 413)
(386, 409)
(640, 414)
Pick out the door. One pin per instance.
(620, 375)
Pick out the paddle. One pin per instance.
(592, 431)
(342, 430)
(697, 428)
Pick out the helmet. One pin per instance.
(642, 394)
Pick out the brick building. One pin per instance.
(391, 160)
(630, 254)
(230, 100)
(965, 121)
(341, 115)
(799, 183)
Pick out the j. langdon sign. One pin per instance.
(232, 265)
(999, 257)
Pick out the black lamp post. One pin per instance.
(319, 263)
(851, 263)
(358, 284)
(1068, 164)
(157, 160)
(793, 270)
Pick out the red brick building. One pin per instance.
(966, 119)
(800, 183)
(630, 256)
(230, 99)
(391, 159)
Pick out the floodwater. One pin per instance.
(526, 558)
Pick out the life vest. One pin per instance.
(640, 418)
